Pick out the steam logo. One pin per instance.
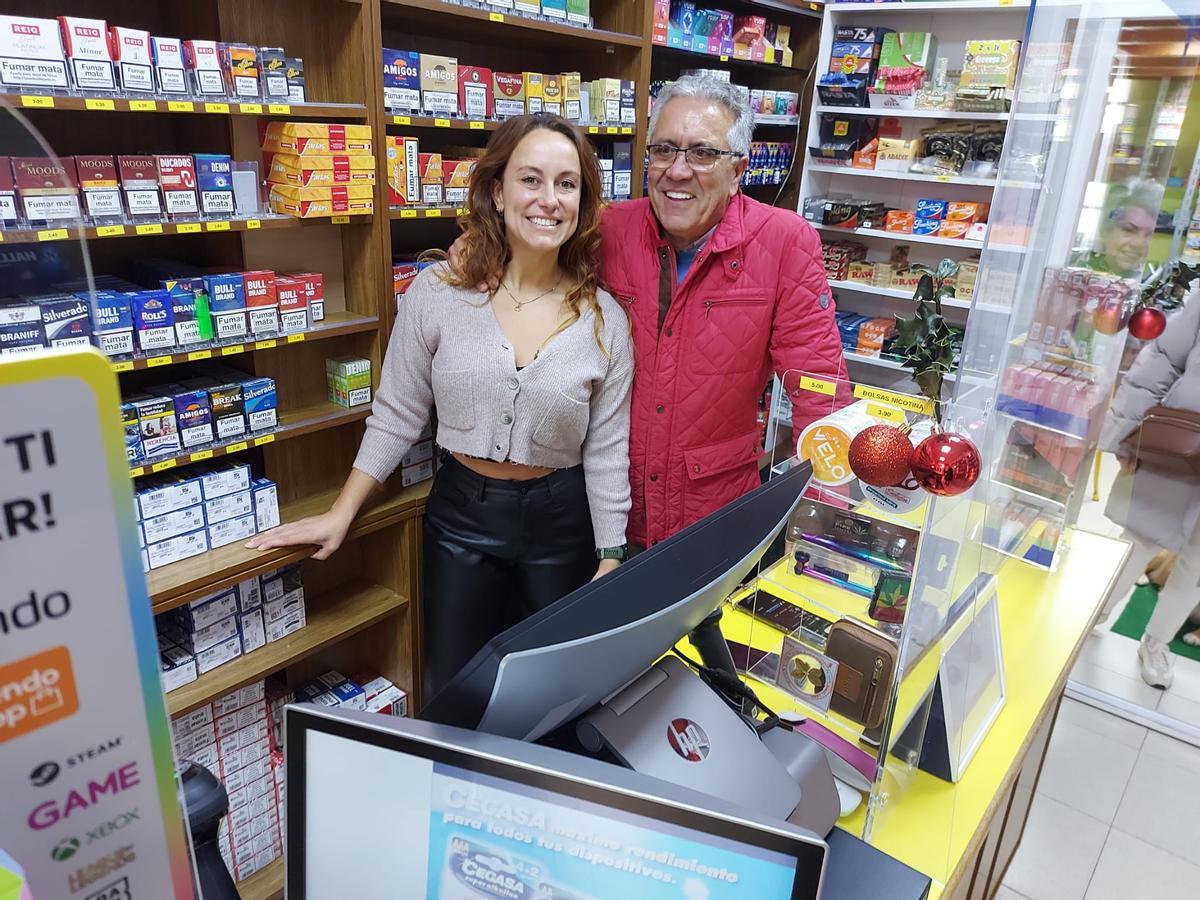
(64, 849)
(44, 774)
(688, 740)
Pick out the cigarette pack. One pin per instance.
(139, 182)
(552, 94)
(159, 427)
(177, 178)
(219, 654)
(293, 304)
(227, 302)
(86, 44)
(258, 396)
(133, 440)
(319, 202)
(627, 114)
(194, 417)
(8, 193)
(606, 100)
(508, 94)
(229, 530)
(439, 85)
(401, 80)
(294, 67)
(153, 320)
(173, 524)
(239, 63)
(314, 291)
(165, 494)
(98, 180)
(272, 71)
(579, 12)
(262, 302)
(66, 320)
(190, 311)
(319, 138)
(404, 184)
(321, 171)
(214, 178)
(47, 187)
(622, 170)
(534, 96)
(349, 380)
(131, 52)
(203, 61)
(31, 54)
(456, 179)
(475, 98)
(169, 67)
(266, 503)
(224, 479)
(429, 166)
(572, 109)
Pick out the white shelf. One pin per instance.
(916, 113)
(881, 362)
(893, 293)
(901, 176)
(776, 120)
(928, 6)
(904, 238)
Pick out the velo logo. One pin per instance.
(35, 692)
(688, 740)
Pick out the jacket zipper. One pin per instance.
(873, 687)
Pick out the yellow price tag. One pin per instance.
(123, 365)
(37, 102)
(433, 213)
(902, 401)
(181, 106)
(817, 385)
(143, 106)
(164, 465)
(264, 345)
(461, 211)
(1006, 2)
(408, 213)
(265, 439)
(251, 108)
(52, 234)
(110, 231)
(149, 229)
(278, 109)
(626, 129)
(887, 413)
(944, 178)
(99, 104)
(476, 125)
(592, 129)
(1, 237)
(216, 107)
(295, 338)
(201, 454)
(188, 228)
(612, 129)
(155, 361)
(441, 123)
(216, 226)
(236, 448)
(134, 473)
(252, 224)
(233, 350)
(401, 120)
(495, 17)
(724, 57)
(340, 220)
(199, 354)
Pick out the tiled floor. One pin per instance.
(1116, 815)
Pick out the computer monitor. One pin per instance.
(384, 808)
(562, 661)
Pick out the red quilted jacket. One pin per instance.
(755, 299)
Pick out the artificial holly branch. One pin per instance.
(924, 340)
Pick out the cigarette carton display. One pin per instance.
(404, 185)
(534, 96)
(31, 54)
(272, 72)
(314, 291)
(262, 302)
(456, 179)
(319, 138)
(174, 549)
(429, 166)
(97, 177)
(258, 397)
(410, 475)
(194, 417)
(66, 320)
(239, 64)
(572, 109)
(214, 178)
(321, 171)
(47, 187)
(190, 311)
(225, 401)
(439, 84)
(294, 67)
(227, 302)
(172, 524)
(158, 426)
(139, 184)
(131, 52)
(319, 202)
(203, 62)
(265, 496)
(178, 668)
(164, 494)
(509, 94)
(169, 67)
(153, 320)
(293, 304)
(349, 380)
(224, 479)
(177, 179)
(254, 633)
(552, 94)
(219, 654)
(86, 44)
(475, 98)
(401, 80)
(229, 530)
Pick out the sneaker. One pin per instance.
(1156, 662)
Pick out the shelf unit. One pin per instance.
(99, 103)
(150, 229)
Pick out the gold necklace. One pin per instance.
(521, 303)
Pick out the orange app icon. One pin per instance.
(36, 691)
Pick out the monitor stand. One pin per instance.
(669, 724)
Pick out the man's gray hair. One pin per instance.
(712, 90)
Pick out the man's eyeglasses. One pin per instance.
(699, 158)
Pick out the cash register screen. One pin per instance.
(381, 823)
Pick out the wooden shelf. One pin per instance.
(426, 212)
(724, 59)
(344, 611)
(191, 579)
(412, 121)
(292, 424)
(333, 325)
(915, 113)
(185, 105)
(265, 884)
(472, 19)
(95, 232)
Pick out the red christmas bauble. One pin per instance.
(946, 464)
(879, 455)
(1147, 323)
(1110, 316)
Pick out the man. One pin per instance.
(720, 290)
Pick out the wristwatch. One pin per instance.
(611, 552)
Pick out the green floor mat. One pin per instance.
(1132, 622)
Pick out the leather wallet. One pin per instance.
(866, 666)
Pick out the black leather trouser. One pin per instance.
(495, 553)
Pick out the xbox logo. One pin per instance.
(65, 849)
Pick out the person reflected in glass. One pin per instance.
(1126, 230)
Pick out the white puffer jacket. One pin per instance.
(1159, 506)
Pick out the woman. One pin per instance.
(1158, 509)
(531, 386)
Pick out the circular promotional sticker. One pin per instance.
(894, 499)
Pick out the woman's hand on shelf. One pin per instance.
(326, 532)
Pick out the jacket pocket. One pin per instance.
(454, 398)
(564, 426)
(730, 333)
(718, 473)
(723, 456)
